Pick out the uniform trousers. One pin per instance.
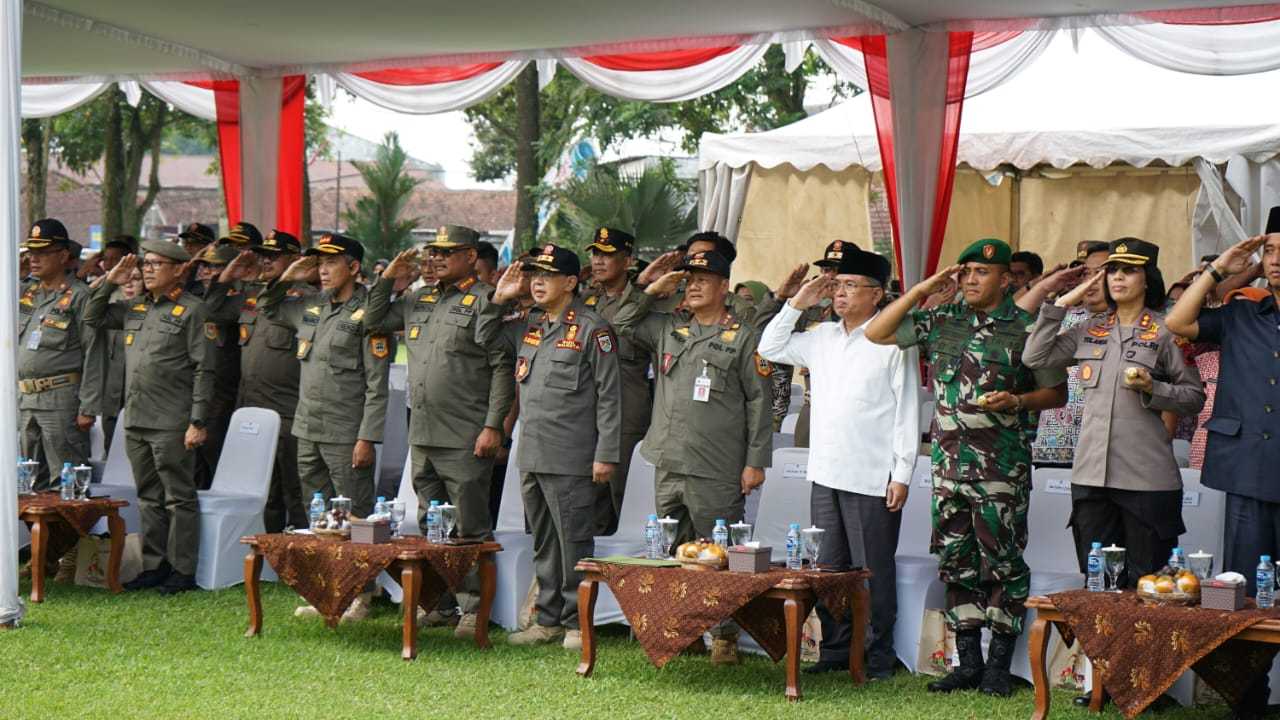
(325, 467)
(1145, 523)
(52, 434)
(860, 533)
(559, 508)
(164, 473)
(455, 476)
(285, 504)
(609, 497)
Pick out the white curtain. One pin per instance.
(671, 85)
(437, 98)
(187, 98)
(11, 608)
(1215, 225)
(1200, 49)
(40, 101)
(722, 193)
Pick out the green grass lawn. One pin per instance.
(86, 654)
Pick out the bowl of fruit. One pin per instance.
(1170, 587)
(702, 555)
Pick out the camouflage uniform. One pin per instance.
(981, 460)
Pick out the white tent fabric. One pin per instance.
(1201, 49)
(41, 101)
(671, 85)
(428, 99)
(47, 100)
(11, 608)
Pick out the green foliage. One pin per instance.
(375, 220)
(654, 206)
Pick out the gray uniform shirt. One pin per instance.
(733, 428)
(1123, 442)
(633, 362)
(168, 360)
(570, 393)
(457, 387)
(54, 339)
(343, 386)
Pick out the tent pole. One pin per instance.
(1015, 211)
(11, 608)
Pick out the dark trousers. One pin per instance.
(285, 504)
(1145, 524)
(1252, 529)
(497, 481)
(860, 532)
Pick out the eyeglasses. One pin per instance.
(851, 286)
(153, 264)
(441, 252)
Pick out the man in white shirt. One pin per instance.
(863, 445)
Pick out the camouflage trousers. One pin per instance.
(979, 533)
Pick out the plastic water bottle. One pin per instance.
(67, 482)
(1095, 581)
(652, 539)
(316, 512)
(1177, 560)
(380, 508)
(795, 560)
(720, 534)
(433, 522)
(1266, 596)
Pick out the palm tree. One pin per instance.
(654, 206)
(375, 220)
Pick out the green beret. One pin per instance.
(988, 251)
(166, 249)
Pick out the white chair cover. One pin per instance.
(117, 482)
(637, 504)
(515, 562)
(232, 507)
(784, 499)
(788, 426)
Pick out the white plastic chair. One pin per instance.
(97, 440)
(637, 504)
(1182, 453)
(916, 579)
(117, 483)
(788, 426)
(395, 443)
(232, 507)
(784, 499)
(515, 562)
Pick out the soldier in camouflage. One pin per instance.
(987, 402)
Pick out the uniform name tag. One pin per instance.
(702, 386)
(33, 339)
(414, 332)
(128, 339)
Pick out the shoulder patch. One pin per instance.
(379, 347)
(763, 368)
(604, 340)
(211, 330)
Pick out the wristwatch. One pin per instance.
(197, 424)
(1217, 276)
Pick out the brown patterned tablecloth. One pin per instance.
(79, 515)
(670, 608)
(329, 572)
(1141, 650)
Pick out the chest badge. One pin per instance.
(414, 332)
(522, 369)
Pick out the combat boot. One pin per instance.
(968, 676)
(995, 677)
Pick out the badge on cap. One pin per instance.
(988, 251)
(35, 231)
(1121, 249)
(604, 233)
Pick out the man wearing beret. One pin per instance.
(611, 254)
(269, 367)
(866, 434)
(986, 404)
(711, 435)
(60, 359)
(220, 328)
(342, 404)
(169, 388)
(459, 391)
(566, 371)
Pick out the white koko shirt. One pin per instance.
(864, 403)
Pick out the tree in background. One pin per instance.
(535, 128)
(35, 139)
(375, 220)
(655, 206)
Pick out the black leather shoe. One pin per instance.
(149, 578)
(968, 676)
(177, 583)
(1085, 699)
(996, 680)
(826, 666)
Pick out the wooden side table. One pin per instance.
(797, 598)
(412, 563)
(43, 519)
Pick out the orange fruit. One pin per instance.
(1189, 583)
(1165, 585)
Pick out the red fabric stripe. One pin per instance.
(1238, 15)
(961, 45)
(875, 57)
(427, 75)
(226, 98)
(665, 60)
(987, 40)
(289, 183)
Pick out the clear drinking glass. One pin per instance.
(670, 527)
(24, 477)
(448, 520)
(397, 516)
(1113, 563)
(340, 510)
(739, 534)
(1201, 563)
(812, 539)
(84, 475)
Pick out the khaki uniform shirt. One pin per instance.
(168, 359)
(1123, 442)
(220, 328)
(112, 366)
(457, 387)
(54, 339)
(633, 362)
(570, 393)
(733, 428)
(343, 381)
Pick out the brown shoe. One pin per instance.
(66, 568)
(724, 650)
(572, 640)
(359, 609)
(536, 635)
(435, 618)
(466, 629)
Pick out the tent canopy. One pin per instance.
(1096, 107)
(67, 38)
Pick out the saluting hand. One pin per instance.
(812, 292)
(1236, 258)
(666, 285)
(661, 265)
(938, 280)
(240, 267)
(403, 265)
(510, 285)
(1076, 296)
(602, 473)
(792, 284)
(752, 478)
(120, 274)
(304, 269)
